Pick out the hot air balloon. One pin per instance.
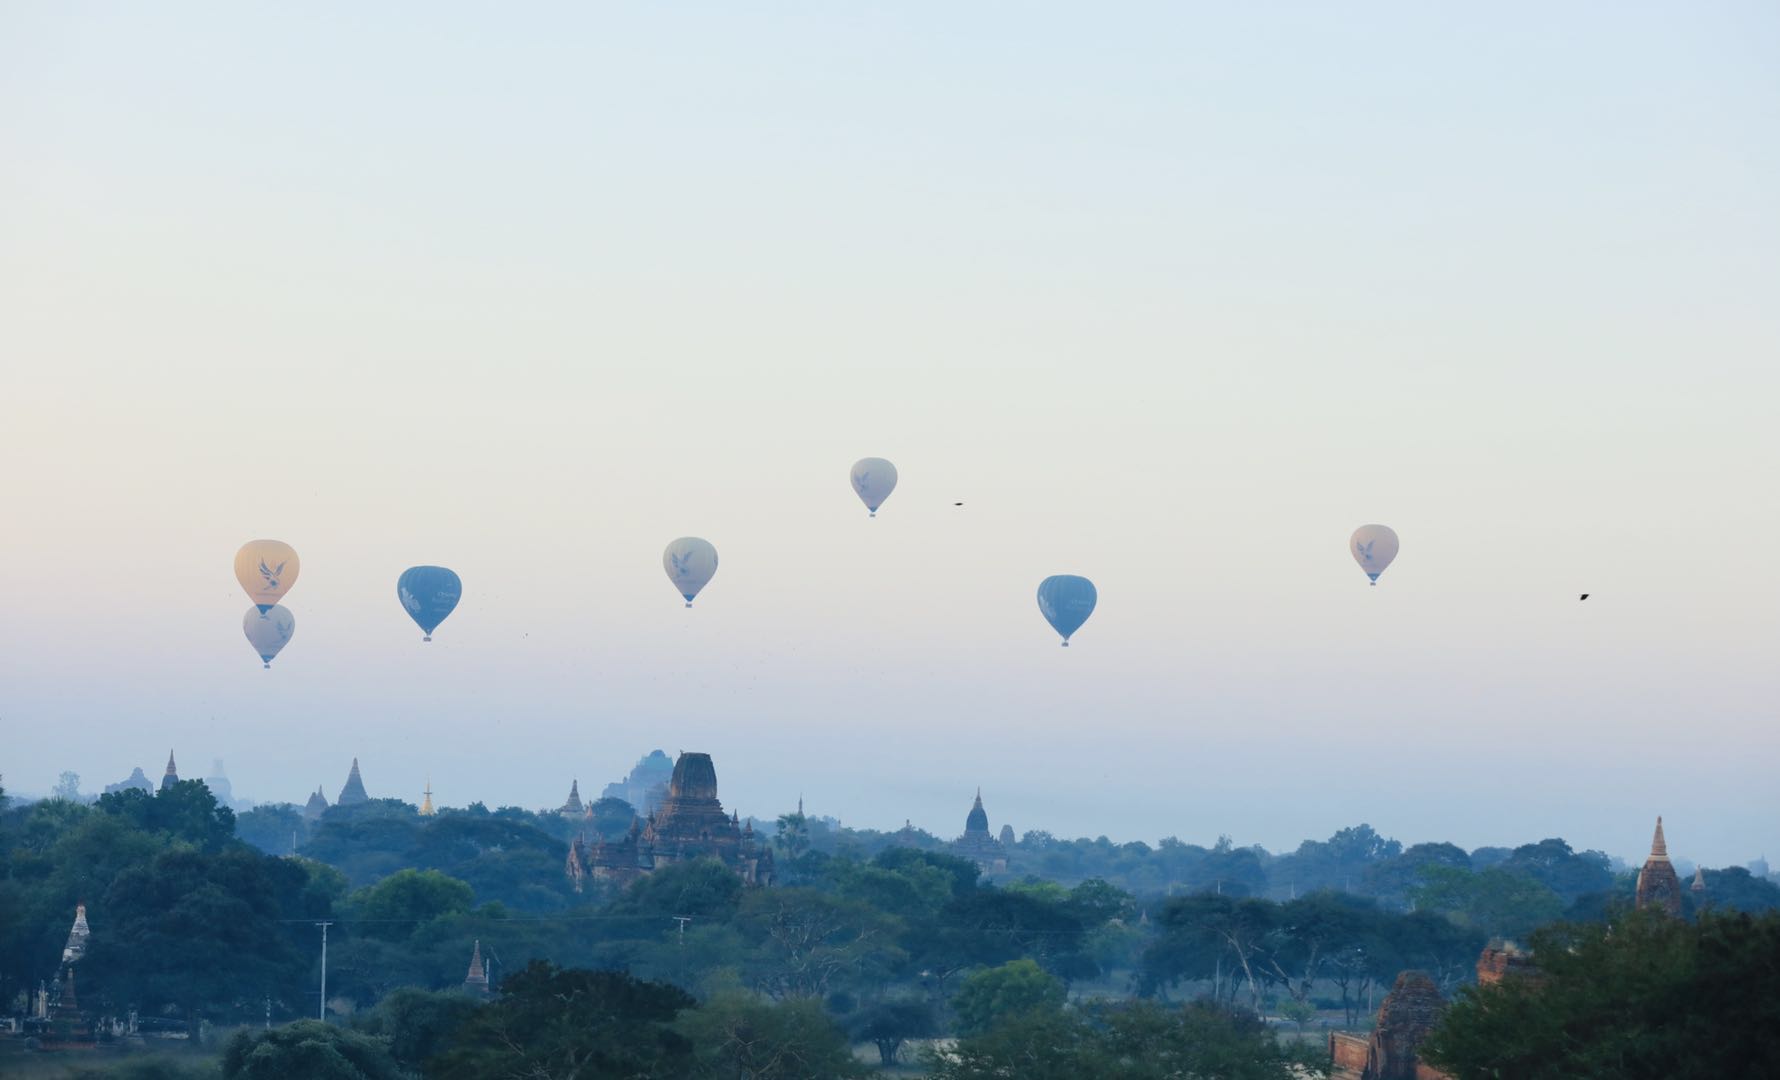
(690, 564)
(428, 594)
(266, 569)
(1374, 546)
(268, 630)
(873, 481)
(1066, 602)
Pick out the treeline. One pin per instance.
(883, 942)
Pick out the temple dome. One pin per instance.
(694, 778)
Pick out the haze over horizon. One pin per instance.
(531, 294)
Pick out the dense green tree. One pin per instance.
(1129, 1040)
(612, 818)
(1648, 997)
(395, 907)
(891, 1022)
(590, 1025)
(1496, 901)
(417, 1025)
(1569, 874)
(1209, 934)
(992, 995)
(1734, 887)
(741, 1036)
(185, 811)
(309, 1049)
(808, 943)
(273, 827)
(207, 933)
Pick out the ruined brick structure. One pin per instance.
(1501, 959)
(1409, 1012)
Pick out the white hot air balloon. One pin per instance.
(268, 631)
(266, 569)
(690, 564)
(873, 481)
(1373, 547)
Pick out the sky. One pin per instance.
(1173, 296)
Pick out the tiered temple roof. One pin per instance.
(316, 806)
(572, 806)
(171, 776)
(691, 824)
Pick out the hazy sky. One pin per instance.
(1173, 296)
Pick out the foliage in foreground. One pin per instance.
(1134, 1040)
(1648, 997)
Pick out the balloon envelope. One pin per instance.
(266, 569)
(268, 631)
(690, 564)
(873, 481)
(428, 594)
(1066, 602)
(1374, 546)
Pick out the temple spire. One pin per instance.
(426, 804)
(171, 776)
(354, 791)
(1699, 879)
(1659, 849)
(476, 982)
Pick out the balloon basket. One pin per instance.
(268, 667)
(429, 637)
(1066, 644)
(688, 603)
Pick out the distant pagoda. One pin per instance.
(171, 776)
(978, 844)
(476, 982)
(426, 802)
(1658, 886)
(354, 791)
(77, 936)
(316, 806)
(573, 807)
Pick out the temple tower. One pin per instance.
(354, 791)
(77, 936)
(1658, 886)
(426, 802)
(476, 982)
(316, 806)
(572, 807)
(171, 776)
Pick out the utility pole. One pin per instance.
(268, 1012)
(323, 1013)
(682, 920)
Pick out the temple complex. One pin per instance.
(137, 779)
(354, 791)
(977, 844)
(1658, 885)
(689, 824)
(646, 786)
(171, 776)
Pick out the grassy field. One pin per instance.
(18, 1063)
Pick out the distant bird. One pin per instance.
(1585, 596)
(957, 504)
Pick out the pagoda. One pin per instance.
(476, 982)
(690, 824)
(354, 791)
(1658, 886)
(171, 776)
(316, 806)
(572, 808)
(426, 802)
(977, 844)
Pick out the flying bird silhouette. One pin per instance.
(1585, 596)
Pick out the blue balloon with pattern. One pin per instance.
(428, 594)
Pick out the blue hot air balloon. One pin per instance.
(268, 631)
(428, 594)
(1066, 601)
